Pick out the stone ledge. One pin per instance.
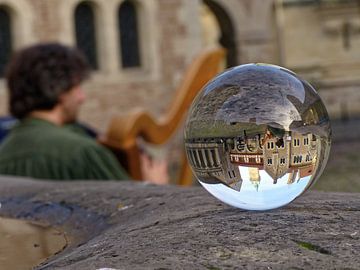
(169, 227)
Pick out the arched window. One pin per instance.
(86, 33)
(129, 35)
(5, 39)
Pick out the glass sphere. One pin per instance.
(257, 136)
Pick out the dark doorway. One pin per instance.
(227, 37)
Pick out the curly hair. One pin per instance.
(38, 75)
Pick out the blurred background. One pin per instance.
(139, 50)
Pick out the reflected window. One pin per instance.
(231, 174)
(86, 33)
(251, 146)
(297, 159)
(207, 158)
(129, 35)
(296, 142)
(196, 160)
(230, 143)
(5, 39)
(270, 145)
(213, 155)
(190, 157)
(280, 143)
(202, 162)
(240, 145)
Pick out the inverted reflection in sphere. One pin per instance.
(257, 136)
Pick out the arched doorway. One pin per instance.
(227, 33)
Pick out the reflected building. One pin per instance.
(217, 160)
(293, 153)
(209, 159)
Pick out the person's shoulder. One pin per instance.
(79, 140)
(57, 139)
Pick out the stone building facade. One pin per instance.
(294, 152)
(317, 39)
(210, 160)
(169, 34)
(320, 40)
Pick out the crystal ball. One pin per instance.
(257, 136)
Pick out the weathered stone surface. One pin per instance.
(131, 225)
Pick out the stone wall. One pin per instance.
(321, 42)
(307, 38)
(168, 43)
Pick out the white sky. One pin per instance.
(268, 196)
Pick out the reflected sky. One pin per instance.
(267, 196)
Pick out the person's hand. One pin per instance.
(154, 170)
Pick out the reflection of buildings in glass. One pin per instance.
(210, 161)
(218, 159)
(293, 153)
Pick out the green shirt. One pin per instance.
(39, 149)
